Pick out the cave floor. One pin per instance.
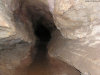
(52, 67)
(45, 65)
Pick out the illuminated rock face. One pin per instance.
(75, 41)
(78, 43)
(75, 19)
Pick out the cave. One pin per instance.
(42, 63)
(42, 32)
(49, 37)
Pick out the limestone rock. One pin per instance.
(78, 43)
(75, 19)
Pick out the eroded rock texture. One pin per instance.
(78, 43)
(15, 40)
(75, 42)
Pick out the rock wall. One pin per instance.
(78, 43)
(16, 38)
(75, 42)
(18, 19)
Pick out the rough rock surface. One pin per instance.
(15, 40)
(76, 19)
(78, 43)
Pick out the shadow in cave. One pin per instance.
(40, 64)
(44, 35)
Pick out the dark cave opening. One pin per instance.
(42, 33)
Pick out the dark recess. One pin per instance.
(42, 32)
(44, 35)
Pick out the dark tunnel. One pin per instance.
(43, 35)
(42, 32)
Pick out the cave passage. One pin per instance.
(42, 63)
(35, 20)
(43, 37)
(42, 32)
